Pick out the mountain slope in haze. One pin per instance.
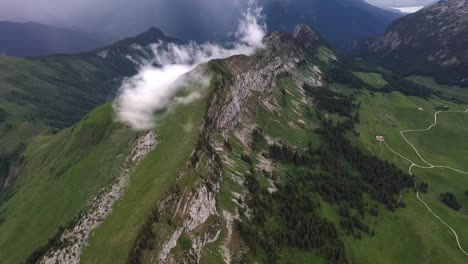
(433, 41)
(50, 93)
(341, 22)
(34, 39)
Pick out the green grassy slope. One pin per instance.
(374, 79)
(15, 126)
(61, 173)
(57, 91)
(445, 144)
(43, 95)
(414, 227)
(46, 94)
(178, 132)
(451, 91)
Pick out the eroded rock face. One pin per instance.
(282, 55)
(194, 208)
(234, 109)
(76, 236)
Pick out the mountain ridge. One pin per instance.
(32, 39)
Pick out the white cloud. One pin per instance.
(153, 88)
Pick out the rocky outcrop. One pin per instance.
(75, 237)
(194, 208)
(306, 36)
(283, 55)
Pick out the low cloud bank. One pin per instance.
(154, 88)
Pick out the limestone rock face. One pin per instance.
(282, 55)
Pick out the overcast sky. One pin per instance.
(189, 19)
(400, 3)
(124, 17)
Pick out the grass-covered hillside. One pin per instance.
(44, 95)
(388, 114)
(57, 176)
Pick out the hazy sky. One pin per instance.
(400, 3)
(124, 17)
(186, 19)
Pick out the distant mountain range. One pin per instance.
(433, 41)
(400, 3)
(33, 39)
(339, 21)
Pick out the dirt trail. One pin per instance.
(402, 133)
(429, 166)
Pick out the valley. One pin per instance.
(419, 150)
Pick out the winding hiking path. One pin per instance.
(427, 166)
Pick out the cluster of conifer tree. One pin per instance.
(383, 180)
(257, 139)
(405, 86)
(343, 76)
(451, 201)
(331, 101)
(288, 217)
(395, 82)
(337, 172)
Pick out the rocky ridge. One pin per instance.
(194, 208)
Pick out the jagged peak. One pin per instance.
(281, 44)
(294, 44)
(278, 37)
(151, 34)
(154, 30)
(305, 35)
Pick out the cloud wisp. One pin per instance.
(155, 87)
